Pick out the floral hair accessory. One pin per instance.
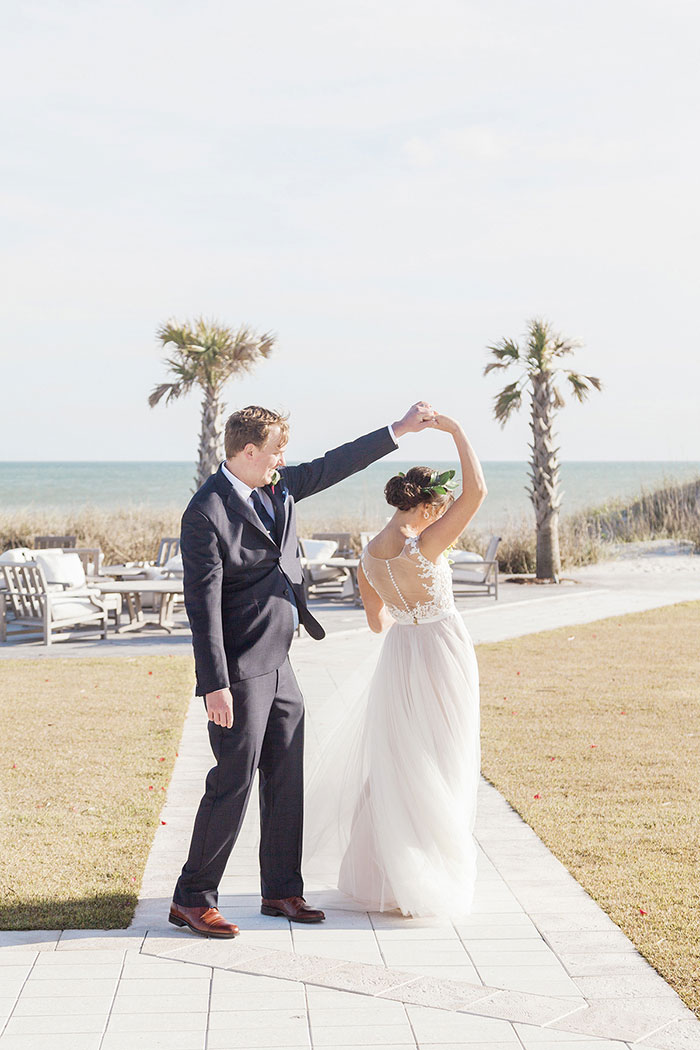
(440, 484)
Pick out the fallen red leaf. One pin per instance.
(536, 796)
(641, 911)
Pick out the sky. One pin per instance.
(389, 186)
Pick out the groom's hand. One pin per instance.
(419, 417)
(220, 707)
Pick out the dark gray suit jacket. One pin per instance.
(237, 578)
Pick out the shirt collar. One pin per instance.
(243, 490)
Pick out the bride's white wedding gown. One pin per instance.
(393, 800)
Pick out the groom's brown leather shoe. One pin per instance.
(293, 908)
(208, 921)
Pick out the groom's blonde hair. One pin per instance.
(252, 424)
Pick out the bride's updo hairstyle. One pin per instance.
(409, 490)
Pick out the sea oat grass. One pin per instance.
(592, 733)
(133, 534)
(88, 748)
(670, 512)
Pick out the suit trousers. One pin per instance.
(267, 736)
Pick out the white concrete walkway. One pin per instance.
(537, 966)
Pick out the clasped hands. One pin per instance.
(422, 416)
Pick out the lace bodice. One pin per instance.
(413, 588)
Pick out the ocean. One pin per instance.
(74, 485)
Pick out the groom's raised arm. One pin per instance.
(305, 479)
(202, 575)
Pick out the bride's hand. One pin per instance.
(418, 417)
(446, 423)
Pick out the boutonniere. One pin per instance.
(276, 477)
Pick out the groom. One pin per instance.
(244, 599)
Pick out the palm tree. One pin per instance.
(207, 354)
(538, 363)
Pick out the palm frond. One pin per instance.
(492, 365)
(173, 390)
(507, 402)
(506, 352)
(581, 385)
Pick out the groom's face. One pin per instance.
(269, 457)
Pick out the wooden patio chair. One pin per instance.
(29, 604)
(342, 539)
(42, 543)
(478, 575)
(91, 557)
(322, 580)
(168, 548)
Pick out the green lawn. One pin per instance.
(88, 749)
(592, 733)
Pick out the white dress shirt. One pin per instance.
(245, 491)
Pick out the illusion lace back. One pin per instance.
(413, 588)
(392, 803)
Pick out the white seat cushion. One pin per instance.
(463, 556)
(173, 564)
(61, 568)
(72, 609)
(317, 550)
(16, 555)
(462, 576)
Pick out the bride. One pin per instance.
(394, 798)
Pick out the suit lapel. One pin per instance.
(244, 509)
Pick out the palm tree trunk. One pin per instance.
(544, 475)
(211, 434)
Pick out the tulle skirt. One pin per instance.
(391, 806)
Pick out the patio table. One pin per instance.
(132, 590)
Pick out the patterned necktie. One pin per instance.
(264, 515)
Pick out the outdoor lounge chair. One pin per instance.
(475, 574)
(343, 541)
(323, 580)
(32, 605)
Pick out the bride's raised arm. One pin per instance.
(438, 536)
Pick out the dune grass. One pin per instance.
(672, 511)
(592, 733)
(88, 749)
(133, 534)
